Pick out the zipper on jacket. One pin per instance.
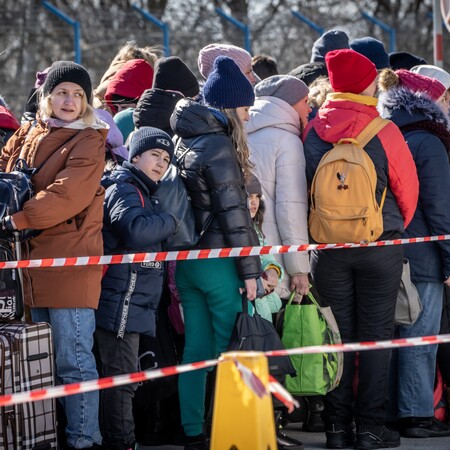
(126, 304)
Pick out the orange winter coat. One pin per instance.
(67, 207)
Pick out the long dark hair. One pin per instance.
(259, 216)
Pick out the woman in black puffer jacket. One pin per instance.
(214, 167)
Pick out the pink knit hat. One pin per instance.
(208, 55)
(420, 83)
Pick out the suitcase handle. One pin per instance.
(37, 357)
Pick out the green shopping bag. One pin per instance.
(309, 324)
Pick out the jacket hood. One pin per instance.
(128, 173)
(405, 107)
(7, 119)
(193, 119)
(273, 112)
(155, 108)
(344, 115)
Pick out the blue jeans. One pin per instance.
(73, 338)
(414, 368)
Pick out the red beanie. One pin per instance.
(349, 71)
(131, 80)
(416, 82)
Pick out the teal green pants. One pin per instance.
(209, 291)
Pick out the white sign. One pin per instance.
(445, 10)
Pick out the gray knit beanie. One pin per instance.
(285, 87)
(147, 138)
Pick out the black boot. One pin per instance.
(424, 427)
(314, 422)
(196, 442)
(376, 436)
(284, 441)
(339, 436)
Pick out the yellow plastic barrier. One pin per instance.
(241, 419)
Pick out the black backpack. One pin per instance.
(15, 189)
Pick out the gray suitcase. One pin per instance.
(26, 353)
(26, 363)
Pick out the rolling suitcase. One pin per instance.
(26, 363)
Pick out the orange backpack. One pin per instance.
(344, 207)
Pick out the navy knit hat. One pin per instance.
(372, 49)
(331, 40)
(67, 71)
(404, 60)
(147, 138)
(227, 86)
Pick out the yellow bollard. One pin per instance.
(241, 419)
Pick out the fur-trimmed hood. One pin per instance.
(405, 107)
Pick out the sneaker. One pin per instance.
(421, 427)
(196, 442)
(339, 436)
(376, 436)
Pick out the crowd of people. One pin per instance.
(248, 142)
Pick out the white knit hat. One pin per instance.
(433, 72)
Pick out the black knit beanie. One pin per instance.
(172, 74)
(68, 71)
(146, 138)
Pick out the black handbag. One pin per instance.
(15, 189)
(254, 333)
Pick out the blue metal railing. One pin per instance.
(384, 27)
(163, 26)
(71, 22)
(308, 22)
(238, 24)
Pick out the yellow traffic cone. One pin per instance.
(242, 420)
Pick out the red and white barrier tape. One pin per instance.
(203, 254)
(103, 383)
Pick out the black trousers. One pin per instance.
(118, 357)
(360, 285)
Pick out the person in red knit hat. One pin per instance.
(361, 284)
(128, 84)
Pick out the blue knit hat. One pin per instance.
(146, 138)
(331, 40)
(227, 86)
(372, 49)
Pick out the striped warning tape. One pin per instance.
(204, 253)
(120, 380)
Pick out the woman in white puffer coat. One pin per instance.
(277, 119)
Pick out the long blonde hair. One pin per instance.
(130, 50)
(239, 139)
(87, 112)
